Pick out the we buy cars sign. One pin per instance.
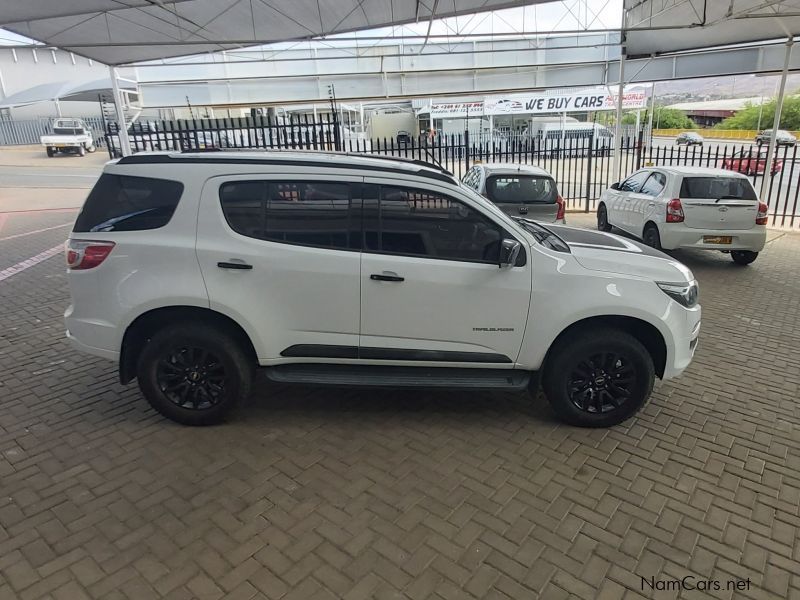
(541, 103)
(594, 99)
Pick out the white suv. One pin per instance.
(192, 270)
(688, 207)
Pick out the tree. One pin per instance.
(671, 118)
(748, 117)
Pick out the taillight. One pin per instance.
(761, 216)
(674, 211)
(560, 213)
(82, 255)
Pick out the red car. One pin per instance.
(751, 162)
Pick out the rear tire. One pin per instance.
(743, 257)
(194, 375)
(651, 236)
(602, 218)
(50, 152)
(91, 148)
(598, 377)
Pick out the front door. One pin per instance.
(431, 287)
(280, 255)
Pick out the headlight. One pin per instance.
(686, 294)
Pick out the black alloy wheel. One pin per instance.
(601, 383)
(191, 378)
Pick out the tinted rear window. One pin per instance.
(125, 203)
(521, 189)
(717, 187)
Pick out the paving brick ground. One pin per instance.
(313, 493)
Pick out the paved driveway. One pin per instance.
(313, 493)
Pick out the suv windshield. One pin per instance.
(521, 189)
(737, 188)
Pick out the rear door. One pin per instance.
(718, 202)
(620, 213)
(280, 255)
(524, 195)
(647, 201)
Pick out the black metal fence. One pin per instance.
(28, 131)
(581, 162)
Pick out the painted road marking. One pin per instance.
(19, 235)
(31, 262)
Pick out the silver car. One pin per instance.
(518, 190)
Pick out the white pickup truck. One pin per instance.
(69, 135)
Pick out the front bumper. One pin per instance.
(685, 344)
(679, 236)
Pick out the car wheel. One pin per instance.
(50, 152)
(651, 236)
(598, 378)
(743, 257)
(91, 148)
(602, 218)
(194, 375)
(81, 151)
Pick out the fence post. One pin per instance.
(466, 150)
(589, 167)
(639, 139)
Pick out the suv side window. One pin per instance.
(424, 223)
(469, 178)
(634, 182)
(654, 184)
(128, 203)
(308, 213)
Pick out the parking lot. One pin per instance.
(320, 493)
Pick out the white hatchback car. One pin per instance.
(192, 270)
(688, 207)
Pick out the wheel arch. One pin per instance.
(646, 333)
(145, 325)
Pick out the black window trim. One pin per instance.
(355, 210)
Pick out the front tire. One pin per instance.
(194, 375)
(743, 257)
(598, 377)
(50, 152)
(651, 237)
(602, 218)
(81, 151)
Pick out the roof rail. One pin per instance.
(403, 159)
(213, 156)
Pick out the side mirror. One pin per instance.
(509, 252)
(615, 186)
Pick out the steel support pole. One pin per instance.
(776, 122)
(124, 141)
(615, 167)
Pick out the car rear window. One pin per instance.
(717, 187)
(521, 189)
(126, 203)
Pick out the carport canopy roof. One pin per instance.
(64, 90)
(118, 32)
